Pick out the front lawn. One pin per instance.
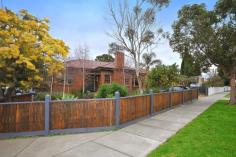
(212, 134)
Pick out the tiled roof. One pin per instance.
(89, 64)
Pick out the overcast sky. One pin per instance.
(82, 21)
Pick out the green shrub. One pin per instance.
(67, 97)
(56, 95)
(154, 89)
(78, 93)
(40, 96)
(108, 90)
(117, 87)
(134, 92)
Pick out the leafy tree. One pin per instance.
(149, 60)
(163, 76)
(135, 30)
(209, 36)
(189, 67)
(27, 51)
(105, 58)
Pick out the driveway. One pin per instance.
(135, 140)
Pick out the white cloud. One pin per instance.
(166, 54)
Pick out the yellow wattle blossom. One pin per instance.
(27, 50)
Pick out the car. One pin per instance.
(177, 88)
(194, 85)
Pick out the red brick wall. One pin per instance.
(118, 76)
(76, 77)
(119, 60)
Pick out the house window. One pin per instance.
(107, 78)
(135, 82)
(127, 81)
(69, 81)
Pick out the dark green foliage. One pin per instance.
(212, 134)
(224, 77)
(108, 90)
(105, 58)
(189, 67)
(163, 76)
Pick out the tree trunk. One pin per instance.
(233, 88)
(64, 84)
(1, 95)
(51, 85)
(83, 77)
(137, 70)
(10, 93)
(140, 84)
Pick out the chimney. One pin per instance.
(119, 60)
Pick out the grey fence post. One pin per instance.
(46, 117)
(152, 102)
(117, 108)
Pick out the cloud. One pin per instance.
(166, 54)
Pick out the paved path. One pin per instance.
(135, 140)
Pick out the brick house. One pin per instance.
(98, 73)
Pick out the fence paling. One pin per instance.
(176, 98)
(41, 118)
(21, 117)
(22, 98)
(134, 108)
(82, 114)
(161, 101)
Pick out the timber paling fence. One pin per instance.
(84, 115)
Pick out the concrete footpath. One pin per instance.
(135, 140)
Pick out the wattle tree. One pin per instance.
(28, 52)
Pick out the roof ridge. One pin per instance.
(88, 60)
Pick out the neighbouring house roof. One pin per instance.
(91, 64)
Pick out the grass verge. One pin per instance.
(212, 134)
